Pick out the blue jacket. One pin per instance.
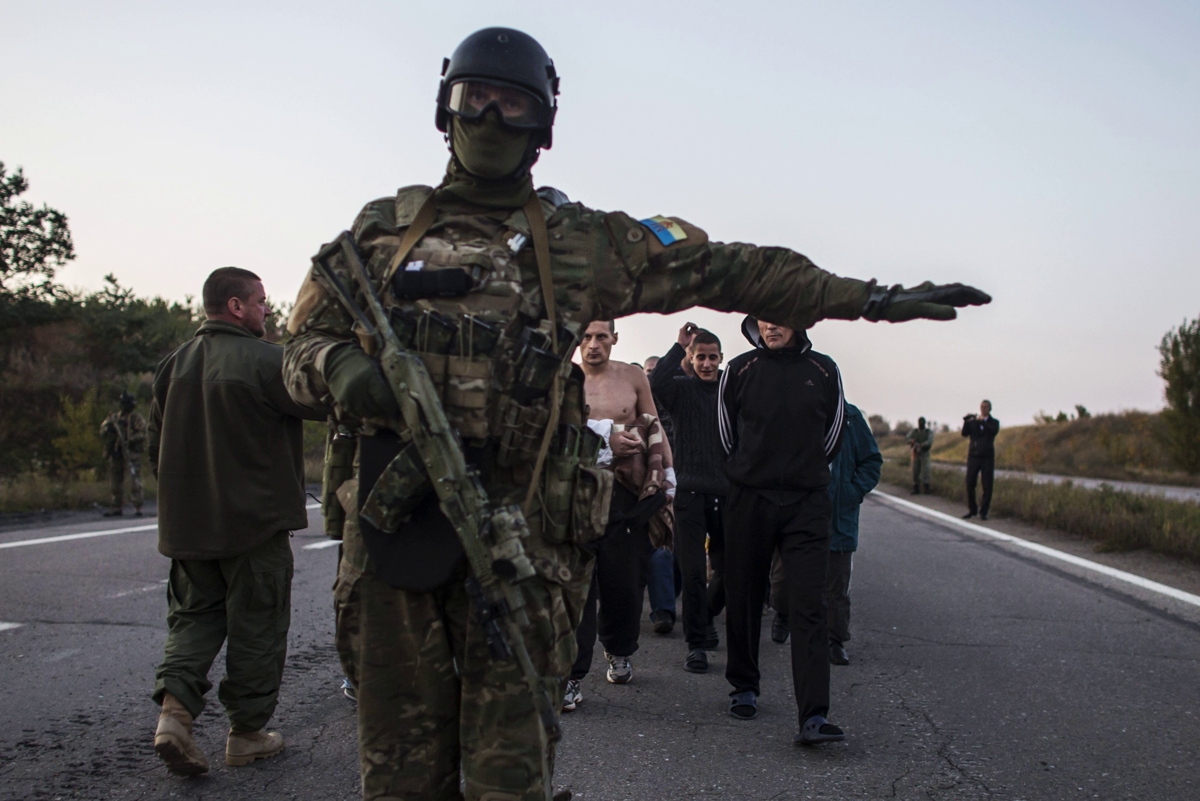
(855, 471)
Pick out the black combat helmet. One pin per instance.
(504, 69)
(128, 401)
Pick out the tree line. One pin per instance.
(66, 355)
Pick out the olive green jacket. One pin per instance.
(226, 444)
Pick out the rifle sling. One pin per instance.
(541, 251)
(416, 229)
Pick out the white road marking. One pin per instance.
(147, 588)
(108, 532)
(319, 545)
(1111, 572)
(7, 626)
(85, 535)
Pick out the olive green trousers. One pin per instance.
(244, 602)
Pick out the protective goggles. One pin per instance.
(470, 99)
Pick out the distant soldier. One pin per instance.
(124, 435)
(920, 441)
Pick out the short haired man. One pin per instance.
(618, 396)
(124, 436)
(981, 457)
(226, 446)
(920, 443)
(781, 416)
(700, 467)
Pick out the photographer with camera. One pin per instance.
(981, 457)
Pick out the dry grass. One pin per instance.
(32, 492)
(1117, 521)
(1123, 447)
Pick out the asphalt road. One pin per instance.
(978, 671)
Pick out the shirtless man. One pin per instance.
(617, 394)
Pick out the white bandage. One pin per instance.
(604, 429)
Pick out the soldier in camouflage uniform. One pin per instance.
(460, 269)
(920, 442)
(124, 436)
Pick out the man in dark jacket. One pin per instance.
(855, 472)
(981, 457)
(781, 416)
(226, 446)
(702, 485)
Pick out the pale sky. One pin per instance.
(1048, 153)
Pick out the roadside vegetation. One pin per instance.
(65, 357)
(1129, 446)
(1116, 521)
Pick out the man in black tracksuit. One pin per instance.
(702, 486)
(781, 415)
(981, 457)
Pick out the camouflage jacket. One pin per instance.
(604, 265)
(131, 427)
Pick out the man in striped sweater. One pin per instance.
(781, 415)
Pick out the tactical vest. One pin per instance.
(467, 300)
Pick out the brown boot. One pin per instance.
(173, 740)
(242, 749)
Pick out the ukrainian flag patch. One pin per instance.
(667, 230)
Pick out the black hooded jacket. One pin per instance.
(781, 415)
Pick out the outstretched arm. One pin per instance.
(667, 265)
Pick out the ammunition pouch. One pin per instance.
(519, 429)
(339, 467)
(465, 397)
(575, 500)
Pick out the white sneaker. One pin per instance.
(619, 669)
(573, 697)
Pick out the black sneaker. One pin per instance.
(711, 638)
(837, 654)
(779, 628)
(663, 621)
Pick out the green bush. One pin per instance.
(1179, 366)
(79, 446)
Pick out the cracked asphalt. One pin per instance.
(977, 672)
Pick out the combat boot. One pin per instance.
(916, 489)
(244, 748)
(173, 740)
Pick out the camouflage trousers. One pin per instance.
(431, 701)
(118, 469)
(920, 469)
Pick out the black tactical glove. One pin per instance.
(928, 301)
(358, 385)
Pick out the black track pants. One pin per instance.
(754, 528)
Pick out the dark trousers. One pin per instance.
(982, 467)
(837, 593)
(697, 517)
(622, 557)
(837, 596)
(243, 602)
(754, 528)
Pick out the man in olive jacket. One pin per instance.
(226, 446)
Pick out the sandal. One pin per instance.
(696, 662)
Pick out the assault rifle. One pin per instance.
(123, 445)
(496, 569)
